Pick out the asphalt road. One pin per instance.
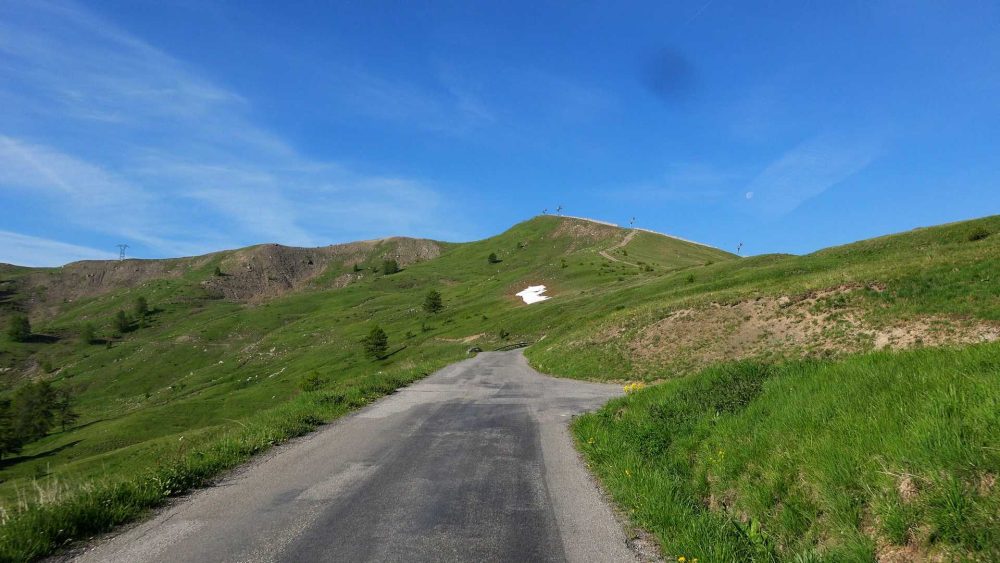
(473, 463)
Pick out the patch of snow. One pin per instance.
(533, 294)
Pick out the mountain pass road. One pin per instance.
(473, 463)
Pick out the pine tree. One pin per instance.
(432, 303)
(376, 343)
(63, 407)
(141, 307)
(10, 442)
(122, 322)
(32, 408)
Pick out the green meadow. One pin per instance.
(818, 433)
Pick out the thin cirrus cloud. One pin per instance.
(118, 138)
(515, 99)
(27, 250)
(808, 170)
(453, 107)
(689, 182)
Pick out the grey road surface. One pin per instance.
(474, 463)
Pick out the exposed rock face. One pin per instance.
(252, 274)
(261, 272)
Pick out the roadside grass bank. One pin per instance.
(931, 286)
(874, 456)
(63, 512)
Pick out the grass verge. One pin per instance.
(63, 513)
(877, 455)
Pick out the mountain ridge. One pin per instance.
(260, 272)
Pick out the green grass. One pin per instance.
(205, 370)
(648, 248)
(806, 460)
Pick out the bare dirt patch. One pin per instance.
(464, 339)
(582, 233)
(820, 323)
(262, 272)
(621, 244)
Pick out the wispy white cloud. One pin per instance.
(25, 250)
(447, 106)
(693, 182)
(111, 134)
(807, 171)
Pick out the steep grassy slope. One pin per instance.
(888, 456)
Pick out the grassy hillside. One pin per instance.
(227, 365)
(929, 286)
(199, 370)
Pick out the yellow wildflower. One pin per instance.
(633, 387)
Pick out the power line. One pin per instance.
(121, 251)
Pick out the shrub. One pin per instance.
(88, 334)
(503, 334)
(978, 234)
(310, 382)
(492, 258)
(390, 267)
(218, 272)
(433, 303)
(19, 329)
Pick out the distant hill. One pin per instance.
(263, 272)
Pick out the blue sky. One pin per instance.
(189, 126)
